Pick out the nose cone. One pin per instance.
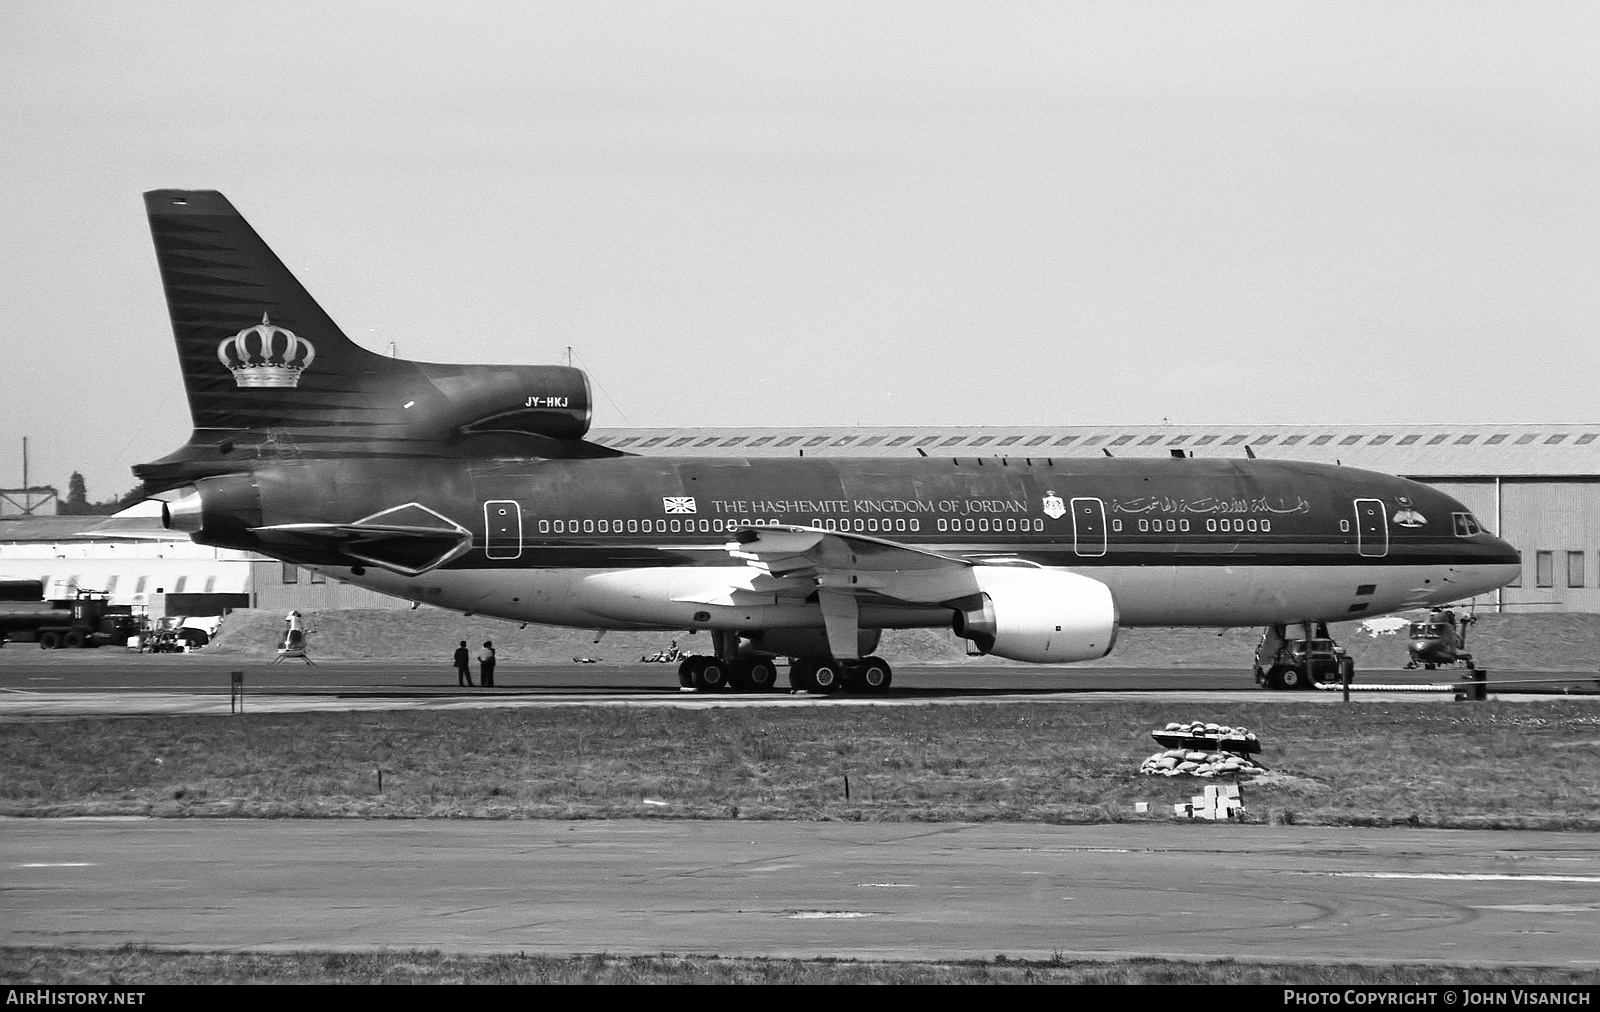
(1483, 563)
(1503, 553)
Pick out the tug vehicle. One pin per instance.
(1287, 661)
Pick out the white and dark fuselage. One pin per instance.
(643, 543)
(471, 487)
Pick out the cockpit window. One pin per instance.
(1466, 525)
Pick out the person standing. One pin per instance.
(486, 664)
(463, 665)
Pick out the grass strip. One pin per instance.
(1487, 765)
(134, 965)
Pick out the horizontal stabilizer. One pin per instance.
(410, 549)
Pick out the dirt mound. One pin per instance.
(432, 634)
(385, 634)
(1545, 642)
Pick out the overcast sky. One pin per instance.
(826, 213)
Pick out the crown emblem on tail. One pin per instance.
(266, 355)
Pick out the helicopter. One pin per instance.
(1439, 640)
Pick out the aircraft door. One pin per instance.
(502, 529)
(1372, 528)
(1089, 527)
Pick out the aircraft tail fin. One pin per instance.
(255, 348)
(269, 375)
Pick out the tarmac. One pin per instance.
(752, 888)
(66, 684)
(808, 889)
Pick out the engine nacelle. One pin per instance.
(1046, 616)
(227, 505)
(539, 400)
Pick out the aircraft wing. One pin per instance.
(854, 564)
(134, 535)
(130, 528)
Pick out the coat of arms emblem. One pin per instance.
(1407, 515)
(266, 355)
(1053, 506)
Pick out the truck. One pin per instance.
(86, 619)
(1301, 656)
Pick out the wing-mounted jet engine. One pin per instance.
(1039, 615)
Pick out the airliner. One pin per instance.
(473, 488)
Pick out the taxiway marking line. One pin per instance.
(1454, 876)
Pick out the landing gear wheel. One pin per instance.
(872, 675)
(828, 676)
(1284, 676)
(800, 675)
(686, 672)
(710, 675)
(760, 676)
(49, 640)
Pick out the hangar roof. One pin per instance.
(80, 528)
(1418, 451)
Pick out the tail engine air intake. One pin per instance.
(230, 504)
(1040, 615)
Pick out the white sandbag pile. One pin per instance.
(1180, 762)
(1232, 739)
(1203, 749)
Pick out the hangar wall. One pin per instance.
(130, 571)
(278, 586)
(1556, 525)
(134, 565)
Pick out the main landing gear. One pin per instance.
(709, 674)
(870, 675)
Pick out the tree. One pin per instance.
(77, 502)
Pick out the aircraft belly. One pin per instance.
(523, 595)
(725, 597)
(662, 598)
(1265, 595)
